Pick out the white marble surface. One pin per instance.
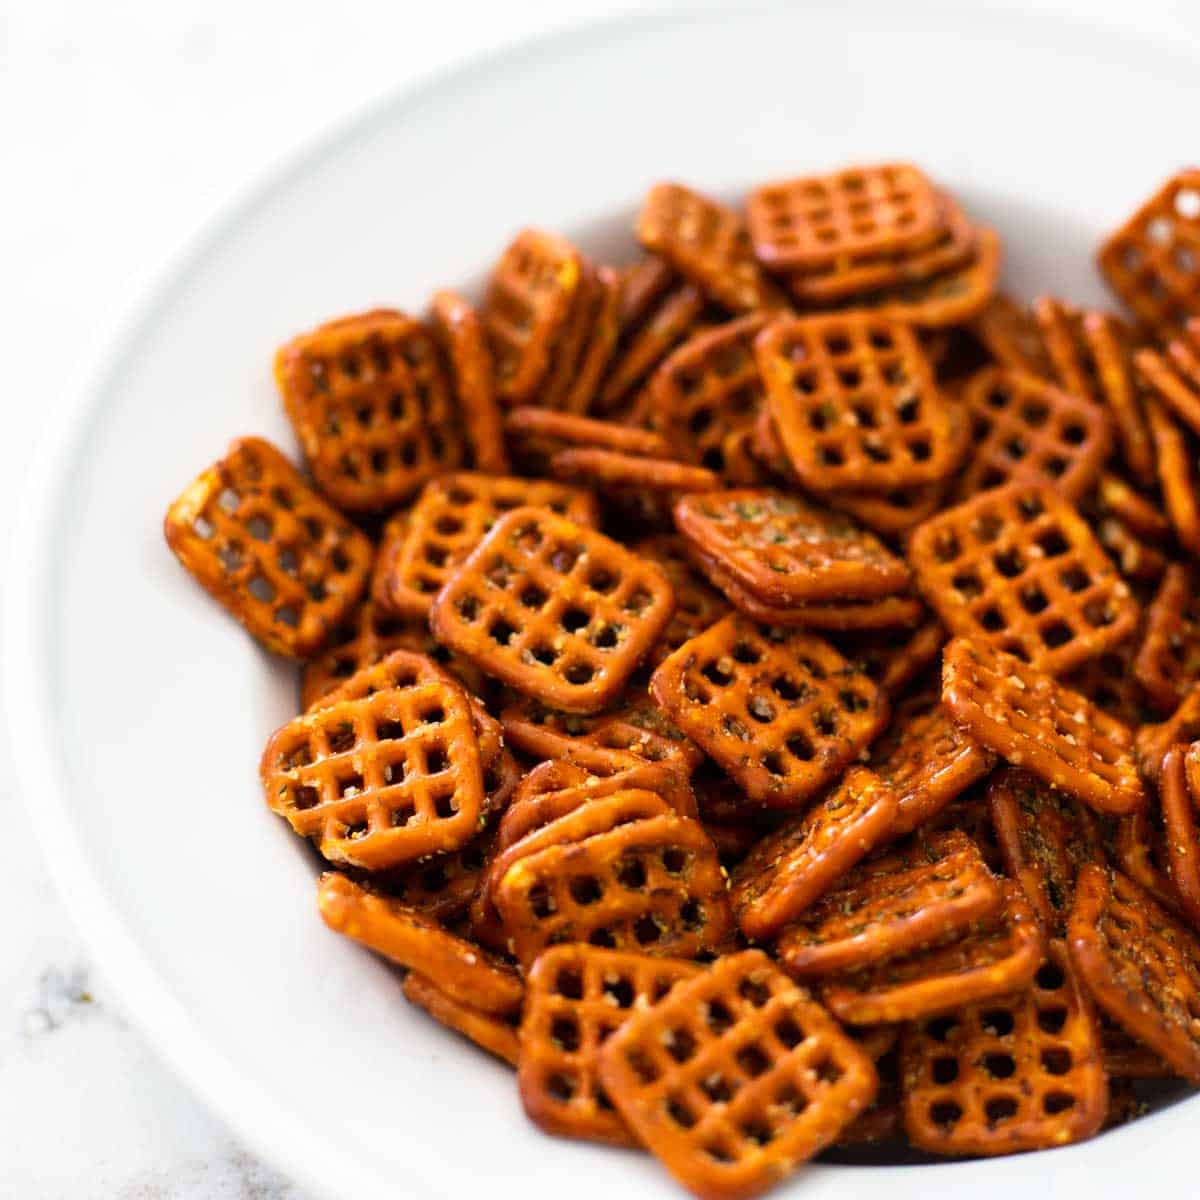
(123, 127)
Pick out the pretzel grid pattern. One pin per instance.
(368, 635)
(553, 609)
(735, 1077)
(269, 549)
(1017, 568)
(782, 714)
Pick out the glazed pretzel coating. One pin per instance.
(1022, 1072)
(1140, 965)
(1032, 721)
(1175, 454)
(271, 551)
(653, 886)
(1181, 822)
(639, 725)
(706, 243)
(444, 885)
(894, 662)
(1024, 428)
(487, 1031)
(643, 284)
(552, 431)
(1151, 262)
(528, 305)
(577, 996)
(464, 343)
(1175, 377)
(1168, 661)
(601, 344)
(553, 609)
(381, 780)
(786, 551)
(412, 939)
(889, 906)
(855, 404)
(371, 406)
(804, 858)
(815, 220)
(783, 714)
(697, 606)
(450, 519)
(1008, 332)
(1045, 836)
(1018, 569)
(565, 359)
(735, 1078)
(608, 470)
(1138, 847)
(998, 955)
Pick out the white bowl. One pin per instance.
(138, 709)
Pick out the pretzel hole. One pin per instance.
(1057, 1060)
(991, 620)
(675, 860)
(585, 890)
(788, 1032)
(564, 1033)
(946, 546)
(579, 673)
(679, 1112)
(999, 1066)
(752, 1060)
(944, 1070)
(798, 746)
(601, 581)
(999, 1109)
(287, 615)
(304, 798)
(350, 785)
(1029, 506)
(1159, 229)
(679, 1043)
(561, 1087)
(717, 672)
(563, 558)
(968, 585)
(1033, 600)
(542, 905)
(1057, 634)
(637, 601)
(1053, 543)
(946, 1113)
(757, 1132)
(837, 343)
(342, 738)
(998, 1022)
(631, 874)
(501, 632)
(1055, 466)
(718, 1017)
(1185, 261)
(940, 1028)
(831, 456)
(755, 991)
(569, 982)
(747, 652)
(826, 1070)
(853, 702)
(261, 588)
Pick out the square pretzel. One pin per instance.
(1033, 721)
(1018, 568)
(855, 403)
(1179, 794)
(783, 713)
(735, 1077)
(372, 407)
(553, 609)
(1168, 661)
(271, 551)
(697, 605)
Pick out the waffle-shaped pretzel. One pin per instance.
(786, 551)
(1150, 262)
(697, 606)
(1175, 456)
(494, 1034)
(528, 305)
(805, 857)
(1021, 1072)
(464, 343)
(1181, 821)
(547, 733)
(381, 780)
(854, 401)
(653, 886)
(371, 406)
(450, 519)
(889, 906)
(608, 470)
(894, 513)
(1032, 721)
(1017, 568)
(411, 939)
(927, 760)
(553, 609)
(597, 352)
(577, 996)
(735, 1078)
(782, 714)
(998, 955)
(443, 886)
(1045, 836)
(706, 243)
(1168, 661)
(639, 725)
(815, 220)
(1008, 332)
(1024, 428)
(1140, 965)
(276, 556)
(894, 662)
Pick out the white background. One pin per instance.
(124, 127)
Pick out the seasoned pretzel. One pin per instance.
(601, 344)
(450, 519)
(572, 344)
(1175, 455)
(1150, 262)
(781, 713)
(653, 886)
(1168, 661)
(411, 939)
(491, 1033)
(1018, 569)
(735, 1078)
(1140, 965)
(706, 243)
(371, 406)
(464, 343)
(1008, 332)
(381, 780)
(879, 1122)
(893, 662)
(1134, 558)
(1032, 721)
(970, 813)
(1175, 377)
(793, 867)
(1024, 428)
(1021, 1072)
(854, 402)
(1181, 821)
(997, 956)
(890, 906)
(608, 470)
(271, 551)
(1138, 847)
(643, 284)
(577, 996)
(553, 609)
(639, 725)
(697, 606)
(788, 552)
(540, 433)
(1045, 836)
(444, 885)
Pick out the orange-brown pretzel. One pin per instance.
(781, 713)
(1168, 661)
(608, 470)
(600, 346)
(1008, 332)
(1109, 683)
(893, 662)
(494, 1034)
(697, 606)
(565, 359)
(540, 433)
(1181, 822)
(1175, 457)
(371, 406)
(1175, 377)
(276, 556)
(1138, 847)
(735, 1078)
(444, 885)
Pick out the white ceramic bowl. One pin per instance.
(138, 709)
